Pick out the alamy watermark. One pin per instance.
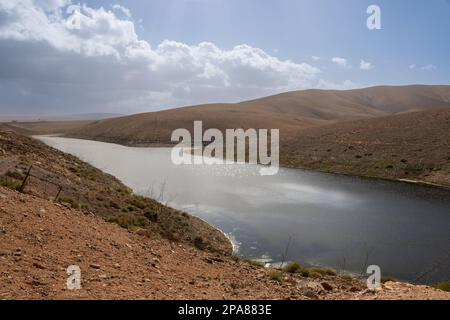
(74, 279)
(249, 146)
(374, 19)
(374, 280)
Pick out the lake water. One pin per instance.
(328, 220)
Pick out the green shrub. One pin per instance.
(151, 216)
(114, 205)
(293, 267)
(129, 221)
(10, 183)
(254, 263)
(70, 201)
(275, 276)
(324, 272)
(444, 286)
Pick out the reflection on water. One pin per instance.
(336, 221)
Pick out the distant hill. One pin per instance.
(288, 111)
(70, 117)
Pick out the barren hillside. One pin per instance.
(288, 112)
(412, 146)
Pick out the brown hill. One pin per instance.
(288, 112)
(413, 146)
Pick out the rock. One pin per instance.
(38, 265)
(116, 265)
(327, 286)
(311, 294)
(316, 287)
(95, 266)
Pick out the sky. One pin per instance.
(68, 57)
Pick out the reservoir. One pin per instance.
(317, 219)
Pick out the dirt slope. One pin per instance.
(288, 112)
(40, 239)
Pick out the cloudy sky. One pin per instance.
(135, 56)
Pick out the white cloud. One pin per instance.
(315, 58)
(341, 62)
(412, 66)
(122, 9)
(429, 67)
(366, 66)
(46, 65)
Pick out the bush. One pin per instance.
(129, 221)
(444, 286)
(275, 275)
(255, 263)
(69, 201)
(199, 243)
(10, 183)
(293, 267)
(151, 216)
(324, 272)
(114, 205)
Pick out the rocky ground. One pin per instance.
(39, 239)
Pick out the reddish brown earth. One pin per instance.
(40, 239)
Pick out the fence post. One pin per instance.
(22, 187)
(59, 192)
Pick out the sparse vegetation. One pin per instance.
(114, 205)
(10, 183)
(70, 201)
(254, 263)
(275, 276)
(293, 267)
(129, 221)
(444, 286)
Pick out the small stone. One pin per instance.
(311, 294)
(95, 266)
(38, 265)
(327, 286)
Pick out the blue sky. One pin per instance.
(158, 54)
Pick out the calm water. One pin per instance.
(335, 221)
